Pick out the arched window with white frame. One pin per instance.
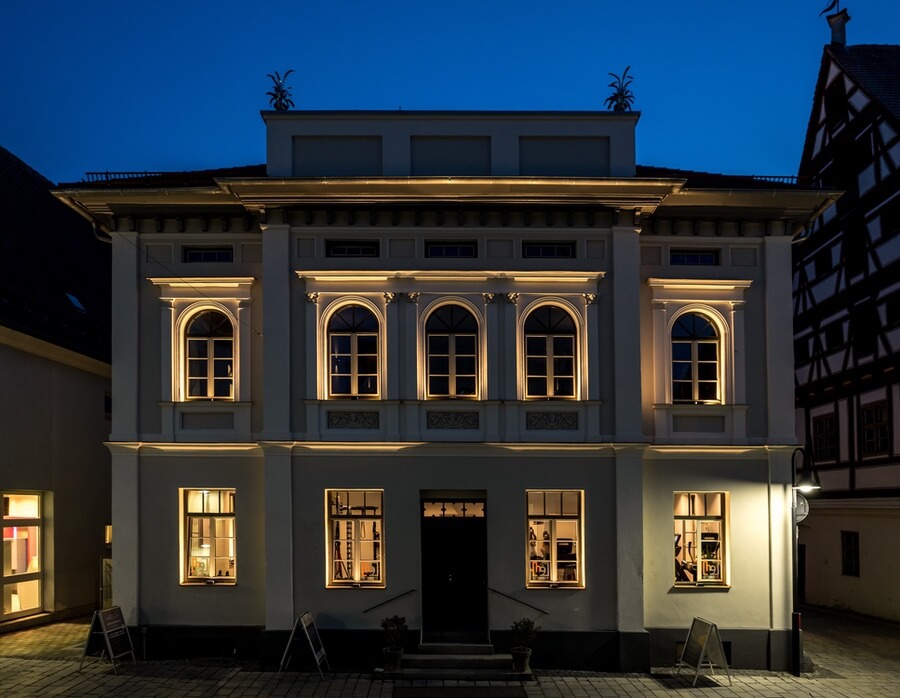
(209, 356)
(451, 342)
(353, 361)
(551, 353)
(696, 351)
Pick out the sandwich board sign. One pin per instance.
(703, 647)
(308, 626)
(108, 636)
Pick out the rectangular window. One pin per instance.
(700, 528)
(874, 431)
(554, 539)
(21, 579)
(451, 248)
(351, 248)
(850, 553)
(209, 538)
(355, 525)
(548, 250)
(694, 258)
(207, 254)
(825, 437)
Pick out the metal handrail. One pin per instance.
(524, 603)
(393, 598)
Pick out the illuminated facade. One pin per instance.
(456, 366)
(847, 331)
(54, 404)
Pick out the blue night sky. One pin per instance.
(123, 85)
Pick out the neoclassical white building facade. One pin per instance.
(458, 366)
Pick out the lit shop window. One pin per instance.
(209, 536)
(21, 554)
(555, 550)
(355, 528)
(700, 521)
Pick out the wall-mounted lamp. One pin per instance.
(808, 479)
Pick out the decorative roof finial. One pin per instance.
(280, 96)
(833, 5)
(622, 98)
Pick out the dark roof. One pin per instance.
(51, 263)
(154, 180)
(876, 67)
(712, 180)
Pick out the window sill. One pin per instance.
(356, 585)
(699, 586)
(554, 585)
(210, 583)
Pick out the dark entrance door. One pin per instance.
(454, 571)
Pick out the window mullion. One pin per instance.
(451, 367)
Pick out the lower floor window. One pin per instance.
(700, 527)
(209, 536)
(850, 553)
(22, 578)
(355, 526)
(554, 538)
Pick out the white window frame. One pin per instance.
(480, 349)
(361, 564)
(696, 361)
(211, 359)
(218, 512)
(182, 299)
(701, 538)
(545, 538)
(579, 344)
(34, 571)
(325, 349)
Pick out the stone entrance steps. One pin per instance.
(458, 662)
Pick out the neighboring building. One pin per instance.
(54, 402)
(847, 330)
(458, 366)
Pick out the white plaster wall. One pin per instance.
(875, 592)
(758, 530)
(505, 476)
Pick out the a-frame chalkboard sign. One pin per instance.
(308, 625)
(108, 636)
(703, 645)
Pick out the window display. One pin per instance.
(700, 538)
(355, 529)
(210, 536)
(554, 537)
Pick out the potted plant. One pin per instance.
(394, 634)
(524, 632)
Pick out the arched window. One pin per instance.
(353, 352)
(451, 335)
(549, 353)
(209, 352)
(695, 360)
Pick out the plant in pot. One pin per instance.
(394, 634)
(524, 632)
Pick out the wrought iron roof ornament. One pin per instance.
(833, 5)
(280, 95)
(622, 98)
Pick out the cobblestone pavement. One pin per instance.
(853, 656)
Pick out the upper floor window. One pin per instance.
(451, 335)
(209, 357)
(353, 353)
(351, 248)
(550, 353)
(207, 254)
(874, 429)
(825, 437)
(564, 249)
(451, 248)
(694, 258)
(695, 360)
